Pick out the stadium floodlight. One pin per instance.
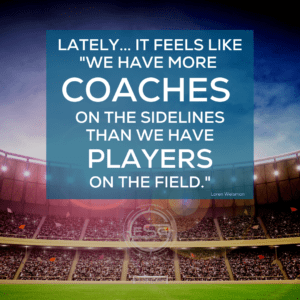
(26, 172)
(4, 168)
(150, 279)
(276, 173)
(298, 167)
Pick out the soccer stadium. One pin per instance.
(227, 244)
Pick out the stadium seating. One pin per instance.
(276, 202)
(282, 224)
(59, 228)
(254, 264)
(10, 260)
(191, 229)
(241, 228)
(10, 224)
(96, 265)
(104, 229)
(290, 258)
(201, 267)
(151, 264)
(48, 264)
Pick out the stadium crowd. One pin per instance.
(10, 260)
(282, 224)
(47, 264)
(278, 224)
(61, 228)
(18, 225)
(151, 264)
(241, 227)
(105, 229)
(196, 269)
(254, 264)
(191, 229)
(106, 264)
(96, 265)
(290, 258)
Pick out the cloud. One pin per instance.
(273, 94)
(23, 124)
(276, 131)
(23, 74)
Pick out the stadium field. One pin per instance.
(150, 291)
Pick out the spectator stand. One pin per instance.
(290, 259)
(47, 264)
(282, 224)
(10, 261)
(241, 227)
(99, 265)
(61, 228)
(15, 225)
(254, 264)
(151, 264)
(203, 265)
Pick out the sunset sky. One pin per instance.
(23, 61)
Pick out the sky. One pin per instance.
(23, 60)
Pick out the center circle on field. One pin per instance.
(150, 224)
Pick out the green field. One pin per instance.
(150, 291)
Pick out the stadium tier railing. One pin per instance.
(150, 279)
(98, 278)
(40, 277)
(102, 239)
(260, 278)
(13, 235)
(202, 278)
(147, 239)
(200, 239)
(269, 159)
(245, 237)
(168, 244)
(288, 235)
(48, 237)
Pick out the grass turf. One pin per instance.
(150, 291)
